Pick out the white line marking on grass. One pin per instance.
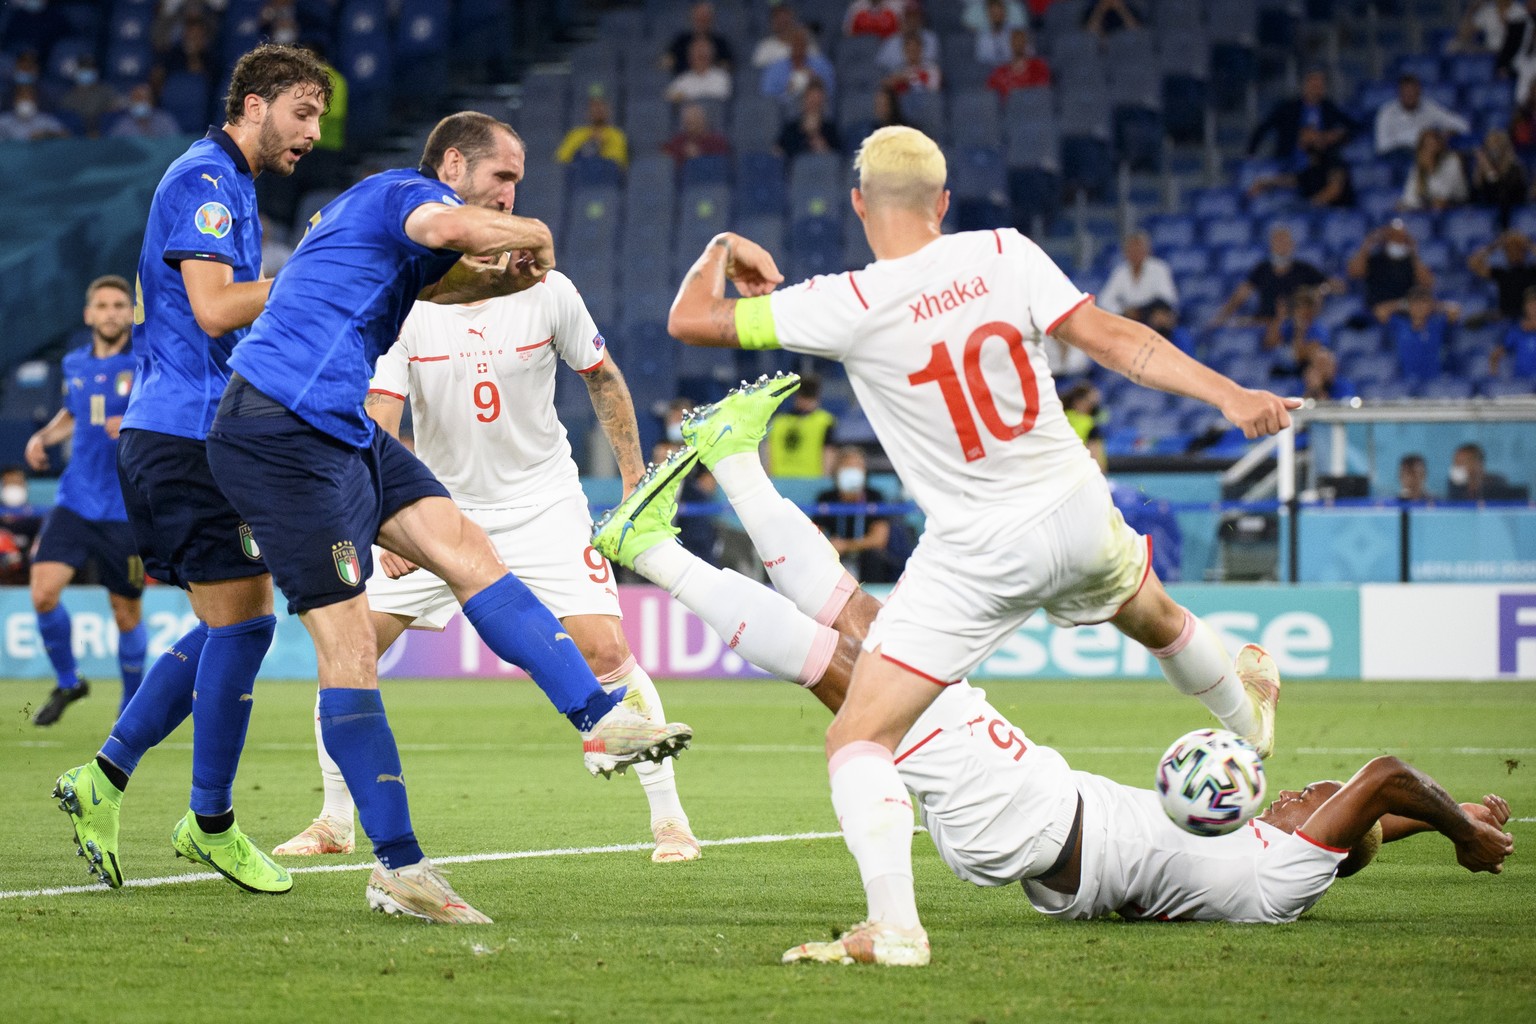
(467, 858)
(1469, 751)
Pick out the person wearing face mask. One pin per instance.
(1276, 278)
(800, 439)
(26, 122)
(1083, 405)
(89, 99)
(19, 521)
(1388, 263)
(141, 119)
(1469, 479)
(860, 538)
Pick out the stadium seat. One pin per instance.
(1029, 123)
(925, 112)
(1076, 63)
(760, 187)
(1034, 193)
(1134, 77)
(816, 185)
(1239, 259)
(128, 62)
(1085, 110)
(703, 212)
(979, 181)
(1444, 389)
(1211, 203)
(1187, 261)
(1224, 231)
(1342, 230)
(591, 171)
(1524, 220)
(185, 97)
(1139, 138)
(1184, 104)
(711, 169)
(1234, 68)
(974, 118)
(647, 122)
(1467, 68)
(1170, 231)
(1512, 387)
(1087, 164)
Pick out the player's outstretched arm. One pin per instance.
(1149, 359)
(54, 431)
(615, 410)
(221, 304)
(478, 231)
(474, 278)
(701, 314)
(1390, 788)
(1494, 810)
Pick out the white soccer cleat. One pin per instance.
(868, 942)
(1260, 677)
(420, 891)
(622, 738)
(675, 842)
(323, 836)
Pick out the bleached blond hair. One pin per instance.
(900, 166)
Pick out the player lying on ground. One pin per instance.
(88, 522)
(480, 379)
(941, 340)
(1001, 809)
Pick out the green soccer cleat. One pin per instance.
(644, 519)
(739, 421)
(231, 854)
(93, 805)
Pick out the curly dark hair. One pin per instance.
(470, 132)
(271, 70)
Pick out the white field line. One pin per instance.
(467, 858)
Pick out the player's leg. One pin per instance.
(122, 573)
(49, 578)
(132, 642)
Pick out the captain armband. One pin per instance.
(754, 323)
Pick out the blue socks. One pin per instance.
(163, 701)
(54, 628)
(130, 661)
(358, 738)
(519, 629)
(226, 677)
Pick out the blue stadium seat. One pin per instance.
(366, 62)
(66, 53)
(185, 97)
(1234, 68)
(1139, 138)
(1087, 164)
(1239, 259)
(1352, 343)
(1487, 95)
(1444, 388)
(1373, 368)
(1033, 192)
(974, 118)
(1185, 98)
(1467, 68)
(1421, 225)
(647, 122)
(1343, 229)
(757, 123)
(979, 180)
(815, 247)
(1224, 231)
(1510, 387)
(1378, 204)
(1375, 174)
(1029, 123)
(1134, 77)
(1424, 66)
(363, 18)
(766, 229)
(703, 212)
(706, 170)
(1085, 110)
(816, 185)
(925, 112)
(1202, 290)
(421, 50)
(1211, 203)
(1076, 63)
(131, 23)
(1170, 231)
(760, 187)
(1524, 220)
(1187, 261)
(128, 63)
(592, 171)
(592, 222)
(1226, 343)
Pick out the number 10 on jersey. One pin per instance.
(941, 371)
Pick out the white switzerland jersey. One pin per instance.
(481, 382)
(943, 348)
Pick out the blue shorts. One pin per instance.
(74, 540)
(186, 529)
(314, 503)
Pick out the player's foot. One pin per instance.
(868, 942)
(92, 804)
(622, 738)
(644, 519)
(738, 422)
(420, 891)
(53, 709)
(674, 842)
(231, 854)
(1261, 680)
(324, 835)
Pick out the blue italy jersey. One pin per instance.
(339, 302)
(204, 209)
(95, 390)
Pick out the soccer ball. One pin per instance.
(1211, 781)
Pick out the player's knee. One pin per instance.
(605, 655)
(45, 598)
(127, 617)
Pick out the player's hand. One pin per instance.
(751, 267)
(1485, 849)
(113, 426)
(1259, 413)
(1493, 810)
(36, 454)
(394, 566)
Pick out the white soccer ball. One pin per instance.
(1211, 781)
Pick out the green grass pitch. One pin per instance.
(612, 937)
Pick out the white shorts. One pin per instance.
(548, 548)
(955, 606)
(998, 807)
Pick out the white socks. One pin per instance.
(659, 780)
(338, 800)
(875, 814)
(1198, 665)
(801, 562)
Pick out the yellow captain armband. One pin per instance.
(754, 323)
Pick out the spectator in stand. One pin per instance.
(892, 53)
(785, 80)
(1296, 328)
(878, 18)
(1470, 480)
(859, 538)
(1138, 280)
(1321, 178)
(28, 69)
(976, 14)
(1023, 70)
(599, 137)
(800, 438)
(1401, 123)
(701, 25)
(992, 38)
(1436, 180)
(1276, 278)
(191, 53)
(1084, 406)
(90, 99)
(917, 74)
(1485, 25)
(775, 46)
(1519, 341)
(1106, 17)
(1413, 478)
(26, 122)
(20, 522)
(1522, 126)
(1313, 110)
(1513, 278)
(703, 79)
(1389, 265)
(142, 119)
(1498, 178)
(812, 130)
(1320, 378)
(695, 136)
(1420, 334)
(885, 110)
(1517, 58)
